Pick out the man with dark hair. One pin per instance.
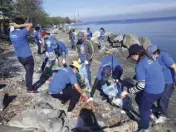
(22, 49)
(89, 34)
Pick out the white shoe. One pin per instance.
(161, 120)
(153, 118)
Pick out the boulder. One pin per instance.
(42, 117)
(145, 42)
(95, 37)
(2, 95)
(130, 39)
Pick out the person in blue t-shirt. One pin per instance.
(110, 68)
(22, 49)
(89, 34)
(38, 39)
(64, 86)
(102, 37)
(150, 83)
(169, 70)
(49, 42)
(61, 53)
(72, 38)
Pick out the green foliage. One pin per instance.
(59, 20)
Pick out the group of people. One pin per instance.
(155, 71)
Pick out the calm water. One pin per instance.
(161, 33)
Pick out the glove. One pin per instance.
(63, 61)
(90, 100)
(79, 60)
(83, 97)
(86, 62)
(124, 94)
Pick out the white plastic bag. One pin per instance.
(111, 90)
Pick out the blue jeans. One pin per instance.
(102, 43)
(163, 102)
(88, 68)
(72, 43)
(145, 104)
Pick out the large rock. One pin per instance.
(130, 39)
(95, 37)
(42, 117)
(145, 42)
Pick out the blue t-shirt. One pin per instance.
(107, 61)
(20, 43)
(61, 79)
(102, 34)
(150, 72)
(51, 43)
(37, 36)
(62, 47)
(166, 61)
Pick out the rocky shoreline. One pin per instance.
(108, 117)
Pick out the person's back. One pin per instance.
(166, 61)
(154, 79)
(111, 61)
(20, 43)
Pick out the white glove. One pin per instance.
(47, 54)
(79, 60)
(90, 100)
(86, 62)
(124, 94)
(63, 61)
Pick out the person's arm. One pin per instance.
(28, 26)
(140, 85)
(174, 69)
(77, 87)
(95, 85)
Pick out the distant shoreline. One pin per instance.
(126, 21)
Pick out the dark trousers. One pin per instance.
(145, 103)
(39, 47)
(28, 64)
(45, 62)
(163, 102)
(69, 93)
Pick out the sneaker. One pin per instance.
(161, 120)
(153, 118)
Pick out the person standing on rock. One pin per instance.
(89, 34)
(150, 83)
(72, 38)
(102, 37)
(38, 39)
(64, 86)
(109, 70)
(22, 49)
(85, 52)
(169, 70)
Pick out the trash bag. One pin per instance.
(83, 77)
(111, 90)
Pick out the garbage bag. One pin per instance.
(110, 90)
(83, 77)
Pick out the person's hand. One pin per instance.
(79, 60)
(115, 80)
(124, 94)
(90, 100)
(84, 97)
(63, 61)
(86, 62)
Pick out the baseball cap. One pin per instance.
(151, 49)
(106, 73)
(80, 35)
(134, 49)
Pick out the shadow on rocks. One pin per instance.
(87, 122)
(7, 100)
(43, 78)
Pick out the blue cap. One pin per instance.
(151, 49)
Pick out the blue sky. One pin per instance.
(97, 8)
